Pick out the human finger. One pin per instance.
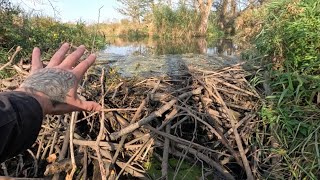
(89, 106)
(71, 60)
(77, 105)
(36, 60)
(58, 57)
(82, 67)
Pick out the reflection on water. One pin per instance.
(149, 57)
(177, 46)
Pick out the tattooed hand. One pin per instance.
(55, 87)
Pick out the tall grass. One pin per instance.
(289, 39)
(174, 22)
(163, 22)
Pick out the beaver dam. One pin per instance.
(192, 123)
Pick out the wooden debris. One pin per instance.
(200, 115)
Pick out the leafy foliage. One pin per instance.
(186, 171)
(18, 29)
(294, 109)
(136, 9)
(290, 35)
(289, 38)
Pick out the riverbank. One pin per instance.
(285, 59)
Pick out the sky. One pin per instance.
(74, 10)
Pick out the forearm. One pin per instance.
(20, 121)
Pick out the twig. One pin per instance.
(165, 156)
(74, 116)
(205, 158)
(131, 158)
(96, 30)
(135, 117)
(116, 90)
(236, 134)
(106, 145)
(97, 147)
(234, 87)
(85, 163)
(18, 49)
(64, 149)
(119, 109)
(152, 116)
(182, 141)
(35, 163)
(17, 68)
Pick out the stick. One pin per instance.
(131, 158)
(165, 156)
(236, 134)
(63, 149)
(182, 141)
(234, 87)
(97, 147)
(152, 116)
(205, 158)
(95, 34)
(135, 117)
(106, 145)
(18, 49)
(119, 109)
(74, 115)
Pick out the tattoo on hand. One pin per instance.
(55, 83)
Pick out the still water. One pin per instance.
(151, 57)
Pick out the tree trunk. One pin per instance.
(223, 14)
(202, 45)
(233, 8)
(204, 9)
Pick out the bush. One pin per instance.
(44, 32)
(290, 35)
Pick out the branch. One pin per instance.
(18, 49)
(152, 116)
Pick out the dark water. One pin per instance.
(151, 57)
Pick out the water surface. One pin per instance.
(151, 57)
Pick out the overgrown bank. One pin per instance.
(286, 40)
(28, 31)
(164, 22)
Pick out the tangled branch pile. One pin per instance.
(205, 118)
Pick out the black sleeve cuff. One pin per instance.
(20, 122)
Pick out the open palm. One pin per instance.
(55, 86)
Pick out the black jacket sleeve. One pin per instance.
(20, 122)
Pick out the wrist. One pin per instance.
(42, 98)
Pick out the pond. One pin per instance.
(151, 57)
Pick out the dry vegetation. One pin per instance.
(206, 118)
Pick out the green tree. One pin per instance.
(136, 9)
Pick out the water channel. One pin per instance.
(151, 57)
